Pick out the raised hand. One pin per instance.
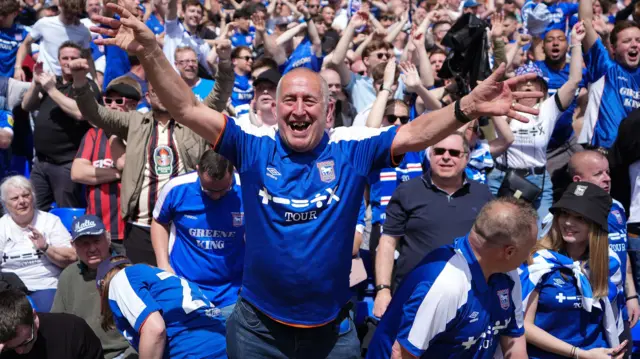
(128, 33)
(498, 26)
(410, 76)
(37, 238)
(37, 71)
(494, 97)
(229, 29)
(303, 9)
(524, 40)
(223, 48)
(79, 69)
(258, 22)
(47, 80)
(578, 33)
(359, 19)
(389, 74)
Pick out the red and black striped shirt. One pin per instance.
(103, 200)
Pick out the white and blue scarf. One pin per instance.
(546, 261)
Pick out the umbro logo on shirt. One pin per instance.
(273, 173)
(622, 78)
(190, 216)
(474, 317)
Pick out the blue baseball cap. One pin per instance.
(470, 3)
(87, 225)
(530, 68)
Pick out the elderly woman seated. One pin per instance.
(33, 244)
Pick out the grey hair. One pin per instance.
(324, 88)
(17, 181)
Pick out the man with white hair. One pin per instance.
(301, 190)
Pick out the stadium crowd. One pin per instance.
(319, 179)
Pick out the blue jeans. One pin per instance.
(227, 311)
(544, 201)
(253, 335)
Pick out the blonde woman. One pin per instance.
(566, 285)
(159, 313)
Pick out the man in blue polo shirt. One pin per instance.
(203, 212)
(301, 187)
(464, 299)
(614, 89)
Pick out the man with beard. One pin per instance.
(615, 82)
(158, 149)
(186, 61)
(556, 71)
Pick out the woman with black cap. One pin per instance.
(566, 285)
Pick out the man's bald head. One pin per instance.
(590, 166)
(506, 220)
(310, 76)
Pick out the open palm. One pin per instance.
(128, 33)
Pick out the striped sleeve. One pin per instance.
(433, 305)
(516, 326)
(368, 149)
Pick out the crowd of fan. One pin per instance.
(116, 151)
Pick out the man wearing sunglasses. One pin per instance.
(427, 212)
(100, 160)
(203, 212)
(25, 334)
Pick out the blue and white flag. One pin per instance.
(545, 261)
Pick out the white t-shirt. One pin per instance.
(177, 36)
(51, 33)
(362, 116)
(634, 180)
(530, 140)
(18, 255)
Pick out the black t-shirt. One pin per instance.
(62, 336)
(57, 135)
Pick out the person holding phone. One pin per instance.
(567, 284)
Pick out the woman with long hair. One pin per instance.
(566, 286)
(159, 313)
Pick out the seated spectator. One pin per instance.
(426, 213)
(208, 253)
(34, 244)
(555, 287)
(76, 292)
(161, 314)
(25, 334)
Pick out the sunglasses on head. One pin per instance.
(118, 101)
(438, 151)
(394, 118)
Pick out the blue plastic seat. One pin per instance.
(67, 215)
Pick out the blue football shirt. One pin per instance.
(155, 25)
(243, 39)
(207, 236)
(10, 40)
(242, 94)
(195, 328)
(203, 88)
(618, 243)
(446, 309)
(301, 211)
(303, 56)
(560, 14)
(614, 92)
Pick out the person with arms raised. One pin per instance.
(297, 181)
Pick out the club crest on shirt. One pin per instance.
(503, 295)
(327, 171)
(163, 158)
(238, 218)
(616, 214)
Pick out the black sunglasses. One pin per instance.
(245, 58)
(394, 118)
(388, 18)
(380, 55)
(440, 151)
(313, 6)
